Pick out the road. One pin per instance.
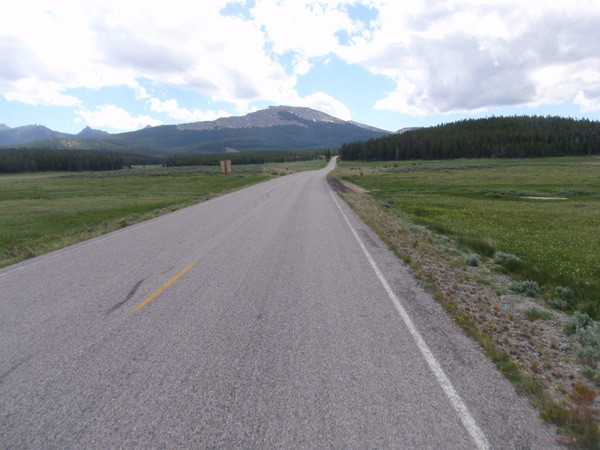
(268, 317)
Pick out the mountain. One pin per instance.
(404, 130)
(34, 133)
(274, 128)
(273, 116)
(88, 132)
(26, 134)
(366, 127)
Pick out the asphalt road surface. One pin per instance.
(269, 317)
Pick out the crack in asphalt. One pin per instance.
(129, 297)
(15, 367)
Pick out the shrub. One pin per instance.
(564, 293)
(527, 287)
(591, 372)
(589, 343)
(472, 260)
(564, 298)
(572, 192)
(502, 257)
(509, 261)
(509, 192)
(578, 321)
(482, 246)
(537, 314)
(558, 303)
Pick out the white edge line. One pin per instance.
(465, 416)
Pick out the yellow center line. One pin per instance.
(257, 212)
(169, 283)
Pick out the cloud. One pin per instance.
(115, 43)
(188, 46)
(11, 49)
(172, 108)
(448, 58)
(139, 54)
(588, 100)
(456, 77)
(226, 51)
(50, 52)
(326, 103)
(33, 92)
(114, 118)
(443, 57)
(310, 30)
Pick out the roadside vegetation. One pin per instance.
(298, 166)
(250, 157)
(43, 212)
(538, 219)
(511, 248)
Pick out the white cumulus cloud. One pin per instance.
(443, 56)
(466, 56)
(114, 118)
(588, 100)
(172, 108)
(326, 103)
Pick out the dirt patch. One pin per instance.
(336, 184)
(345, 186)
(545, 198)
(477, 298)
(354, 188)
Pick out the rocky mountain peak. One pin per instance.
(270, 117)
(88, 132)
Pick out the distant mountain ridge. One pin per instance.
(88, 132)
(271, 117)
(404, 130)
(274, 128)
(34, 133)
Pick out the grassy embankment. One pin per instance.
(448, 219)
(482, 204)
(43, 212)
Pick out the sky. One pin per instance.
(122, 65)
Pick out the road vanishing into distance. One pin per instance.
(268, 317)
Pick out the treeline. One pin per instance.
(259, 157)
(496, 137)
(38, 160)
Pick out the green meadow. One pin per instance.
(300, 166)
(43, 212)
(483, 205)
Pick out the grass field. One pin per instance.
(299, 166)
(43, 212)
(481, 203)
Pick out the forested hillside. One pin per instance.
(248, 157)
(496, 137)
(37, 160)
